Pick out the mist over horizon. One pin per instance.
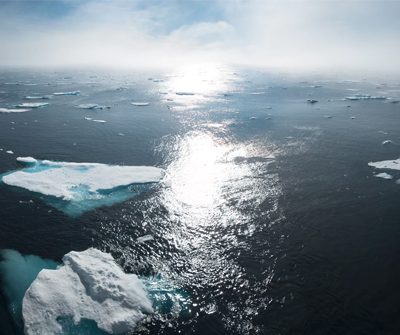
(327, 36)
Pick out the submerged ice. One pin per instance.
(77, 187)
(89, 285)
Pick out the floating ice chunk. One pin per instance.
(32, 104)
(13, 110)
(140, 104)
(253, 118)
(144, 238)
(36, 97)
(88, 118)
(100, 121)
(67, 93)
(62, 179)
(29, 160)
(78, 187)
(386, 142)
(365, 97)
(10, 152)
(384, 175)
(389, 164)
(184, 93)
(312, 101)
(88, 106)
(88, 285)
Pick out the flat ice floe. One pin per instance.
(14, 110)
(384, 175)
(37, 97)
(67, 93)
(89, 285)
(140, 104)
(32, 104)
(78, 187)
(365, 97)
(91, 106)
(389, 164)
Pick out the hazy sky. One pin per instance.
(307, 34)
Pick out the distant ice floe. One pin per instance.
(386, 142)
(14, 110)
(184, 93)
(99, 121)
(38, 97)
(384, 175)
(389, 164)
(365, 97)
(10, 152)
(78, 187)
(32, 104)
(67, 93)
(91, 106)
(89, 285)
(140, 104)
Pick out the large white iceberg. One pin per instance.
(77, 187)
(89, 285)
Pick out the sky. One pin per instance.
(285, 34)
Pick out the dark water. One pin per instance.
(269, 217)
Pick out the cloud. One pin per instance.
(308, 34)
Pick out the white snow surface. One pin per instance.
(32, 104)
(384, 175)
(389, 164)
(88, 285)
(13, 110)
(63, 179)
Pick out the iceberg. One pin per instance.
(32, 104)
(67, 93)
(88, 285)
(78, 187)
(14, 110)
(140, 104)
(389, 164)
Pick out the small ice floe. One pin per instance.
(99, 121)
(29, 160)
(389, 164)
(145, 238)
(140, 104)
(253, 118)
(91, 106)
(365, 97)
(67, 93)
(10, 152)
(121, 134)
(88, 285)
(384, 175)
(257, 93)
(32, 104)
(312, 101)
(352, 117)
(88, 118)
(38, 97)
(14, 110)
(386, 142)
(184, 93)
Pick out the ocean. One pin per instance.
(269, 219)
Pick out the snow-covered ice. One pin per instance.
(365, 97)
(144, 238)
(67, 93)
(88, 285)
(13, 110)
(140, 104)
(389, 164)
(384, 175)
(32, 104)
